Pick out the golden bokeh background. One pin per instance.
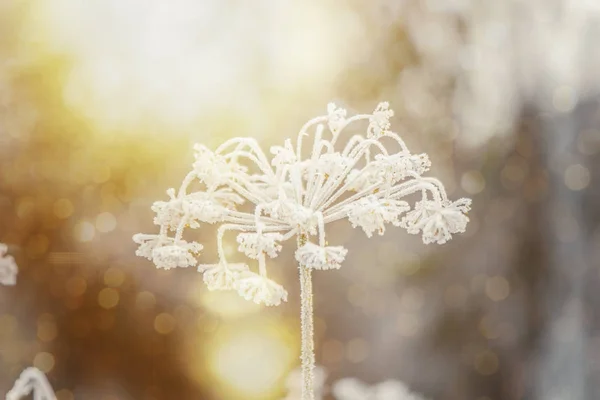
(101, 101)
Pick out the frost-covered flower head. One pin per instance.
(366, 178)
(8, 267)
(31, 381)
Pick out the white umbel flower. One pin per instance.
(296, 192)
(31, 381)
(221, 276)
(379, 122)
(254, 244)
(437, 222)
(176, 255)
(8, 267)
(260, 289)
(372, 213)
(318, 257)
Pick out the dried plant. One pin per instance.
(8, 267)
(364, 182)
(32, 380)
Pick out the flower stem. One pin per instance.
(306, 318)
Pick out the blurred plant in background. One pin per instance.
(8, 267)
(31, 382)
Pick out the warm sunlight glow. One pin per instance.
(251, 361)
(225, 304)
(149, 63)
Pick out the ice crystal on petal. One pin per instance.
(202, 207)
(209, 207)
(283, 155)
(379, 122)
(372, 213)
(221, 276)
(436, 221)
(8, 267)
(255, 244)
(359, 179)
(281, 209)
(314, 256)
(336, 118)
(304, 218)
(168, 212)
(332, 164)
(214, 169)
(176, 255)
(260, 289)
(148, 243)
(399, 166)
(293, 214)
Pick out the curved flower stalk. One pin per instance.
(8, 267)
(353, 389)
(296, 193)
(31, 380)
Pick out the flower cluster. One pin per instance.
(296, 192)
(8, 267)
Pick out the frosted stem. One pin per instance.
(306, 318)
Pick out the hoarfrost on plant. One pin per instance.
(365, 179)
(297, 192)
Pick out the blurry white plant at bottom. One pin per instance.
(295, 384)
(354, 389)
(366, 181)
(31, 380)
(8, 267)
(349, 388)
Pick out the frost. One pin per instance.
(296, 193)
(260, 289)
(317, 257)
